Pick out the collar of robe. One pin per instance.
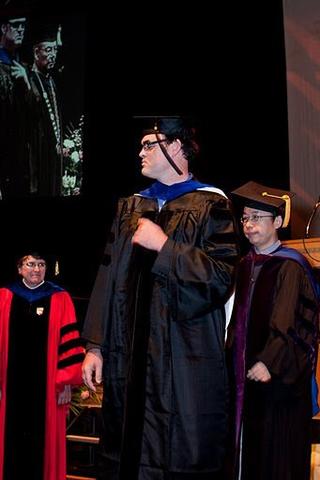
(160, 191)
(32, 295)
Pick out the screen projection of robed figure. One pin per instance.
(42, 121)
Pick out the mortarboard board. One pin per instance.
(172, 126)
(12, 15)
(43, 28)
(44, 33)
(261, 197)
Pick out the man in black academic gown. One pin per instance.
(157, 319)
(274, 331)
(44, 116)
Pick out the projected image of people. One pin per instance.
(49, 119)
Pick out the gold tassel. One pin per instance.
(56, 268)
(287, 208)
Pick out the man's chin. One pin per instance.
(146, 173)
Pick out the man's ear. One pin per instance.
(278, 221)
(176, 145)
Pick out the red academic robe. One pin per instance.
(61, 314)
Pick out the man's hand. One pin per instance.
(149, 235)
(259, 373)
(92, 368)
(18, 71)
(64, 396)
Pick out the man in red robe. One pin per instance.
(40, 360)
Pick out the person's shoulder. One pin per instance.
(5, 69)
(214, 196)
(4, 57)
(131, 202)
(292, 263)
(5, 290)
(212, 189)
(293, 256)
(59, 292)
(52, 287)
(126, 199)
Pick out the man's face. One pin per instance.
(45, 55)
(260, 227)
(153, 162)
(13, 32)
(32, 270)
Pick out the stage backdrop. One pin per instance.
(302, 44)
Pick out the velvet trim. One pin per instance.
(32, 295)
(161, 191)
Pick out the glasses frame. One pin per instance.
(254, 218)
(17, 25)
(150, 145)
(32, 265)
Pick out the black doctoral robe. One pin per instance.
(275, 321)
(161, 321)
(14, 166)
(43, 116)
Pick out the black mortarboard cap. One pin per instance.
(12, 14)
(43, 31)
(172, 126)
(261, 197)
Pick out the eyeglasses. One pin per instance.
(17, 25)
(35, 264)
(49, 49)
(254, 218)
(150, 145)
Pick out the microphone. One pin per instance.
(311, 217)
